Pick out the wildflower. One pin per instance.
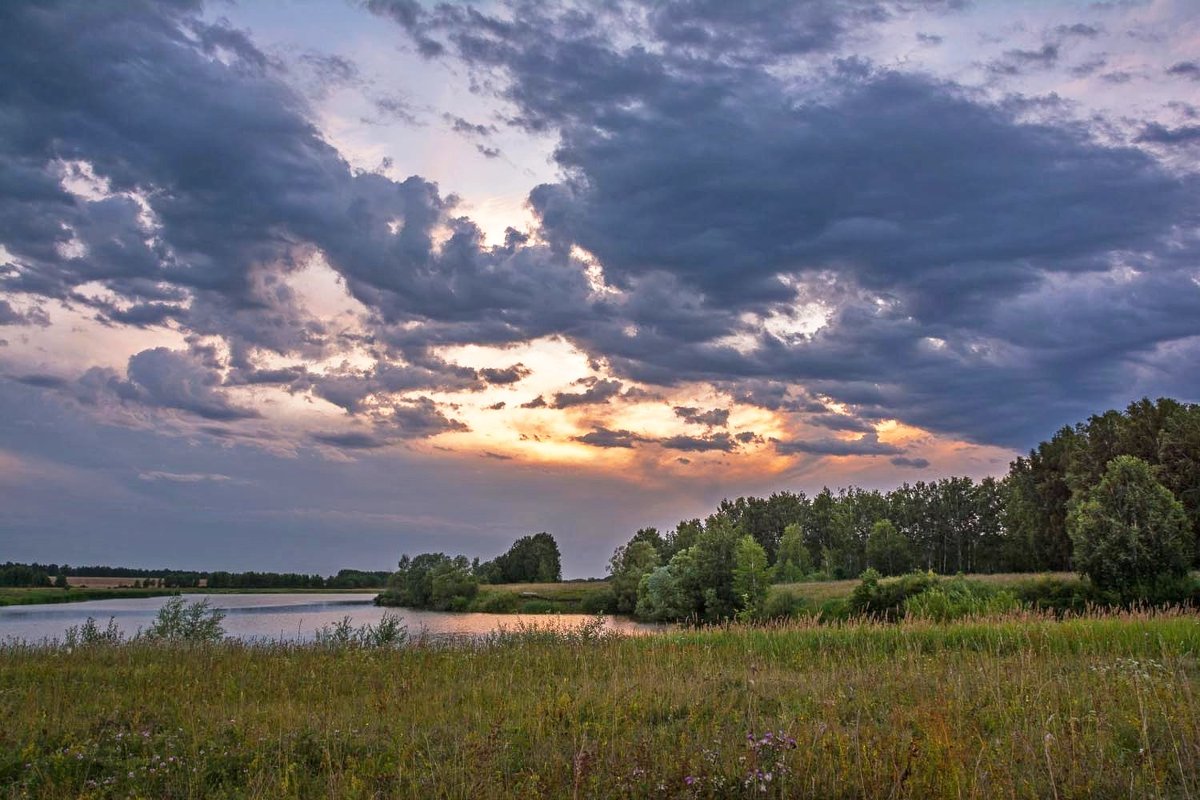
(689, 780)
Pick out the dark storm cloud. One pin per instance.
(714, 190)
(839, 422)
(171, 379)
(599, 391)
(905, 461)
(1015, 62)
(712, 178)
(505, 375)
(1185, 69)
(353, 440)
(1160, 134)
(1079, 29)
(721, 442)
(603, 437)
(868, 445)
(712, 417)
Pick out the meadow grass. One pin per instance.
(20, 596)
(1018, 706)
(817, 592)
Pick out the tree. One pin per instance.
(628, 565)
(1179, 463)
(887, 549)
(661, 596)
(751, 576)
(1129, 530)
(793, 562)
(531, 559)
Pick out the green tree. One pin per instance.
(1179, 463)
(887, 549)
(628, 565)
(794, 562)
(751, 576)
(531, 559)
(1129, 530)
(661, 596)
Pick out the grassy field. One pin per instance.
(546, 598)
(1022, 706)
(20, 596)
(818, 592)
(14, 596)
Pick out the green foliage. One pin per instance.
(598, 601)
(785, 605)
(89, 634)
(497, 602)
(389, 632)
(178, 621)
(874, 597)
(887, 550)
(537, 606)
(661, 596)
(1129, 530)
(958, 598)
(794, 563)
(629, 564)
(531, 559)
(751, 577)
(431, 580)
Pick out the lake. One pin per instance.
(289, 617)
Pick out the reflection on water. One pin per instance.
(290, 617)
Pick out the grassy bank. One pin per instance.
(1022, 706)
(537, 598)
(10, 596)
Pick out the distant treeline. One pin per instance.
(14, 574)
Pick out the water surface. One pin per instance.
(286, 617)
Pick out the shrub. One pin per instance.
(1129, 531)
(196, 622)
(598, 601)
(958, 598)
(89, 634)
(497, 602)
(885, 599)
(785, 605)
(538, 607)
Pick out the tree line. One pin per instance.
(1115, 497)
(34, 575)
(451, 583)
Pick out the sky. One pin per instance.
(307, 285)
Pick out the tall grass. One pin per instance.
(1021, 705)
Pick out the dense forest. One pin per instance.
(1044, 515)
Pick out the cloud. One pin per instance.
(600, 391)
(867, 445)
(721, 442)
(352, 440)
(505, 375)
(1155, 133)
(603, 437)
(1185, 69)
(176, 380)
(186, 477)
(905, 461)
(712, 417)
(720, 189)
